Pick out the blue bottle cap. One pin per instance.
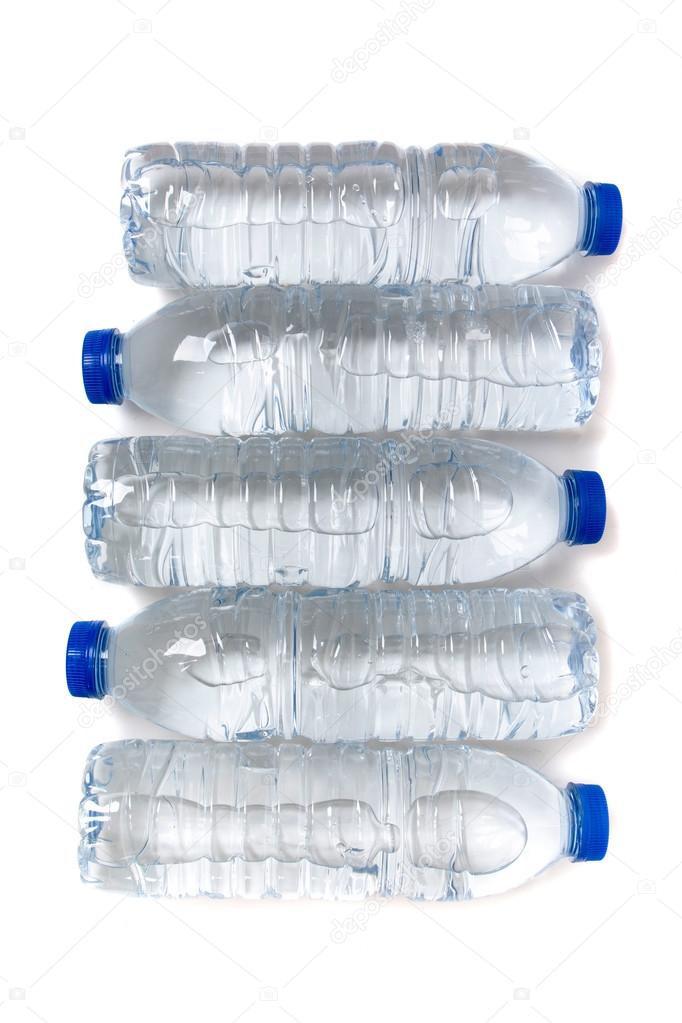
(586, 513)
(603, 219)
(101, 366)
(591, 838)
(86, 660)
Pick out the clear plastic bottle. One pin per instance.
(190, 511)
(356, 359)
(213, 215)
(335, 821)
(348, 665)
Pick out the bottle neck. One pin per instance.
(589, 219)
(571, 843)
(115, 368)
(568, 501)
(101, 662)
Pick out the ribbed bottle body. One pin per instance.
(358, 665)
(336, 821)
(187, 511)
(354, 359)
(215, 215)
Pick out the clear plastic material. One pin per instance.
(188, 511)
(355, 359)
(335, 821)
(353, 665)
(213, 215)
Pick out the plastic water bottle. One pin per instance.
(348, 664)
(189, 511)
(334, 821)
(211, 215)
(356, 359)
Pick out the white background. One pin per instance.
(594, 87)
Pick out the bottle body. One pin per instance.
(356, 359)
(353, 665)
(190, 511)
(214, 215)
(336, 821)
